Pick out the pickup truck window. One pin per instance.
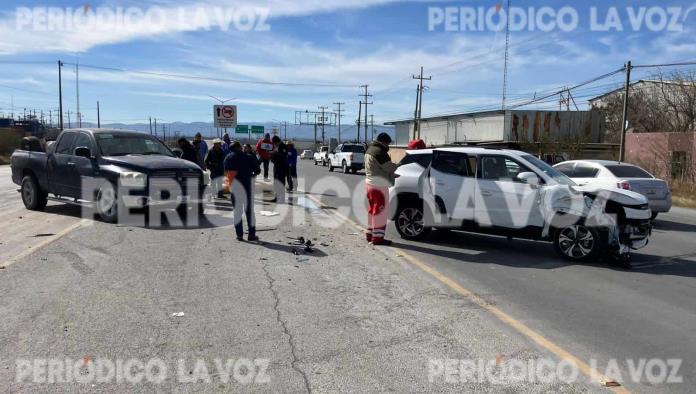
(83, 140)
(121, 145)
(65, 143)
(353, 149)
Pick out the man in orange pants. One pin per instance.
(380, 176)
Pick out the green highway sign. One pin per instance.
(242, 129)
(258, 129)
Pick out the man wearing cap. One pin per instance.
(214, 163)
(380, 176)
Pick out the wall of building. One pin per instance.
(654, 151)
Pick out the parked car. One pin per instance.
(512, 193)
(306, 155)
(613, 174)
(410, 169)
(321, 156)
(347, 157)
(95, 166)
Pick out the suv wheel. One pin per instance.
(32, 196)
(107, 203)
(577, 242)
(410, 222)
(345, 167)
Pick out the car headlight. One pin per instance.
(133, 179)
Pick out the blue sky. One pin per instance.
(348, 42)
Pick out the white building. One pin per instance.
(505, 126)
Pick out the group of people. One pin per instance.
(241, 164)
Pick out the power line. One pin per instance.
(691, 63)
(211, 79)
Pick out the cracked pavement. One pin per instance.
(350, 319)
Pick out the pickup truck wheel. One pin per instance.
(577, 242)
(107, 203)
(346, 169)
(32, 196)
(410, 223)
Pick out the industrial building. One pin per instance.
(505, 127)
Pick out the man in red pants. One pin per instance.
(380, 176)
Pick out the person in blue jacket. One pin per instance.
(245, 169)
(292, 167)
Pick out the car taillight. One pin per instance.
(624, 185)
(350, 157)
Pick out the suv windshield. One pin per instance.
(125, 144)
(550, 171)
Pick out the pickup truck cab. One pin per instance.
(321, 156)
(108, 169)
(512, 193)
(347, 157)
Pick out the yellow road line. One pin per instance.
(44, 242)
(518, 326)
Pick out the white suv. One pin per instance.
(512, 193)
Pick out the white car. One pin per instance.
(410, 169)
(321, 156)
(613, 174)
(306, 155)
(512, 193)
(347, 157)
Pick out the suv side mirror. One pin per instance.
(529, 178)
(83, 151)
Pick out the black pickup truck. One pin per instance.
(107, 169)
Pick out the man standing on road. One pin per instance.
(188, 152)
(280, 169)
(292, 167)
(243, 169)
(264, 148)
(214, 162)
(380, 176)
(202, 149)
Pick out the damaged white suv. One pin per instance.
(512, 193)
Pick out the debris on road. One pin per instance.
(302, 259)
(178, 314)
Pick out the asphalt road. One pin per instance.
(594, 311)
(346, 318)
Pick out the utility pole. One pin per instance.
(421, 88)
(624, 117)
(507, 53)
(98, 116)
(372, 125)
(50, 118)
(366, 96)
(60, 93)
(415, 112)
(150, 125)
(323, 123)
(338, 111)
(69, 119)
(155, 127)
(358, 122)
(77, 93)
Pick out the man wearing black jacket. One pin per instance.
(280, 169)
(244, 169)
(188, 151)
(214, 162)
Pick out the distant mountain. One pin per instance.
(293, 131)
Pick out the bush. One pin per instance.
(9, 141)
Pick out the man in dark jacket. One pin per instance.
(244, 169)
(214, 162)
(292, 167)
(280, 169)
(188, 151)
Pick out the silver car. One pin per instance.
(614, 174)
